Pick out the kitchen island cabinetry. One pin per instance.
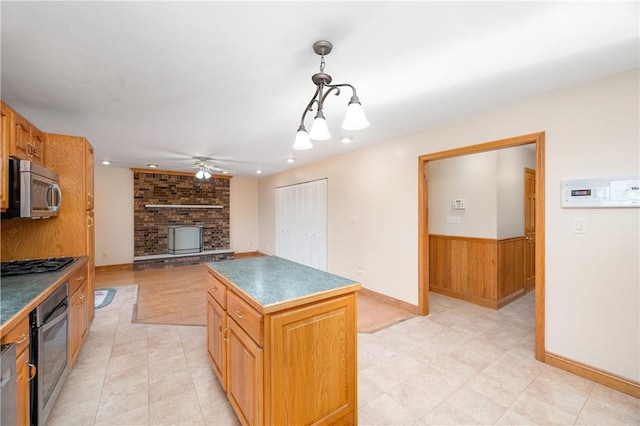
(282, 339)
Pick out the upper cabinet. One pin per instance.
(5, 127)
(26, 142)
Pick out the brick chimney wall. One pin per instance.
(166, 188)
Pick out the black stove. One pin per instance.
(33, 266)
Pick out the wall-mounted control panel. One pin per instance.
(458, 204)
(601, 192)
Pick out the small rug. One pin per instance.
(104, 296)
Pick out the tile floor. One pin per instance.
(463, 364)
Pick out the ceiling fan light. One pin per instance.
(206, 174)
(355, 119)
(319, 129)
(200, 174)
(302, 141)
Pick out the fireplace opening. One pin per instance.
(185, 239)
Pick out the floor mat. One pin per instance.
(103, 296)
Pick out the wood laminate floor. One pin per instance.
(177, 295)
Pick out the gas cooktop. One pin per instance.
(33, 266)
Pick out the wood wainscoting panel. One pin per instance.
(510, 266)
(484, 271)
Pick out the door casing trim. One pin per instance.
(423, 224)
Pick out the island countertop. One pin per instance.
(20, 294)
(272, 280)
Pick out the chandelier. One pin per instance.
(354, 118)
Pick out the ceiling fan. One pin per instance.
(205, 165)
(207, 169)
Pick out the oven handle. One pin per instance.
(60, 314)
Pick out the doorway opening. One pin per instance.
(423, 223)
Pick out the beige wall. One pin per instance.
(592, 279)
(471, 177)
(510, 179)
(113, 208)
(244, 214)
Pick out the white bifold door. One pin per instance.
(301, 223)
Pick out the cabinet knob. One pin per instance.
(239, 315)
(214, 289)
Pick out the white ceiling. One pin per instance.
(162, 82)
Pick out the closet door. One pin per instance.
(301, 223)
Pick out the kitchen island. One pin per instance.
(282, 339)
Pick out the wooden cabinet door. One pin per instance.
(312, 370)
(75, 325)
(91, 295)
(216, 345)
(245, 373)
(5, 130)
(89, 182)
(22, 388)
(20, 137)
(36, 148)
(90, 249)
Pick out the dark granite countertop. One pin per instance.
(20, 291)
(271, 280)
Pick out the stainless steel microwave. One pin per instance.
(33, 191)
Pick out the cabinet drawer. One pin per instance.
(18, 335)
(246, 317)
(217, 290)
(77, 278)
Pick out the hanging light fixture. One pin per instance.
(354, 118)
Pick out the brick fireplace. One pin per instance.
(164, 200)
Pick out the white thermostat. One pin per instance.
(601, 192)
(458, 204)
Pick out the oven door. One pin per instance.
(51, 356)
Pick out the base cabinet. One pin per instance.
(290, 366)
(79, 311)
(244, 386)
(216, 347)
(20, 336)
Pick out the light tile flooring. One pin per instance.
(463, 364)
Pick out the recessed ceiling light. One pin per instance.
(106, 162)
(346, 139)
(259, 171)
(152, 166)
(290, 160)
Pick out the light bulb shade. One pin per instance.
(206, 174)
(302, 141)
(319, 129)
(200, 174)
(354, 119)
